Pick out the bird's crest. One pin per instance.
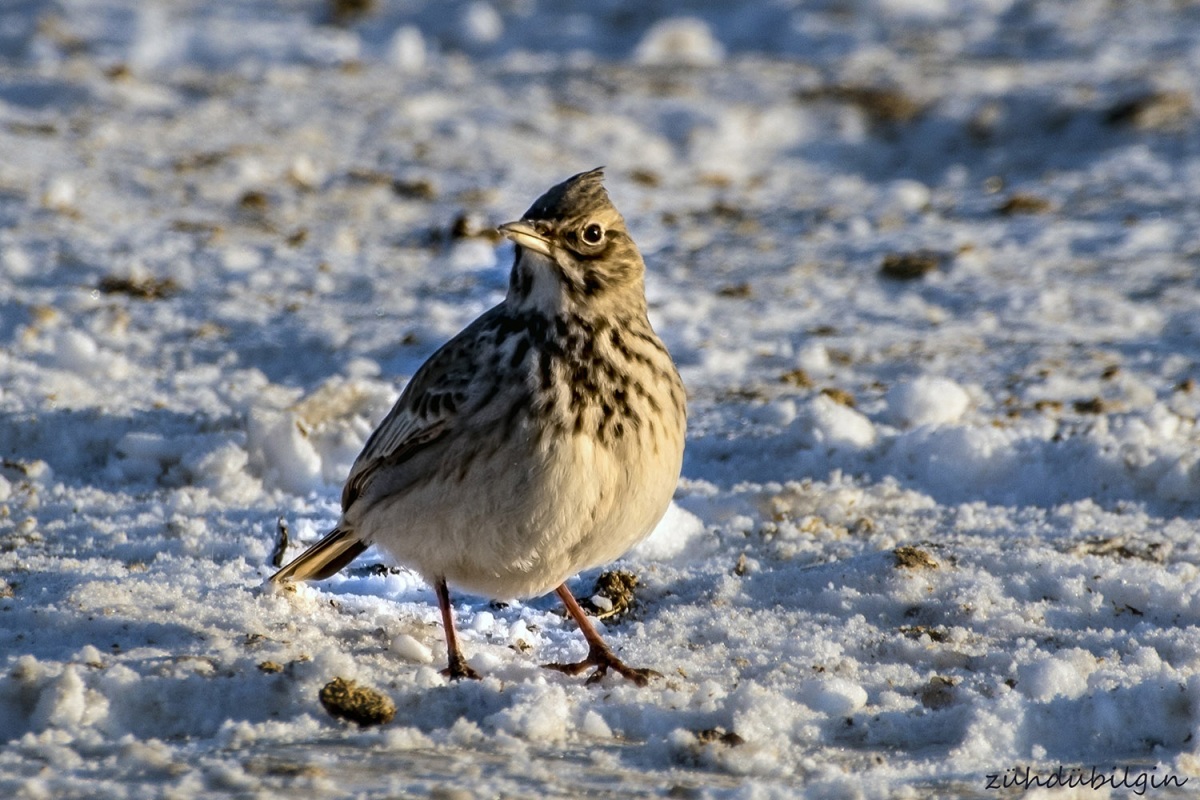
(579, 194)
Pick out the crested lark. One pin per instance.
(544, 439)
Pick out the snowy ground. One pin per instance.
(934, 524)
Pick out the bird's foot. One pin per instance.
(459, 669)
(603, 660)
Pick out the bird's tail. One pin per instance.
(323, 559)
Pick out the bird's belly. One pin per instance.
(520, 526)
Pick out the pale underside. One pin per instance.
(527, 524)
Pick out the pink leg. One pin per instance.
(458, 665)
(599, 656)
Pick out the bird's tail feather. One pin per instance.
(323, 559)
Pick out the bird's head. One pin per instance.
(573, 250)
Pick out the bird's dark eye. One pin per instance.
(593, 234)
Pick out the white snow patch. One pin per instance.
(675, 533)
(679, 41)
(927, 400)
(408, 648)
(832, 424)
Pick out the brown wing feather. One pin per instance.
(428, 408)
(361, 477)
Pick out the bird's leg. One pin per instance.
(599, 656)
(458, 665)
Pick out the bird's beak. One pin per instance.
(525, 235)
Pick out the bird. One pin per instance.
(544, 439)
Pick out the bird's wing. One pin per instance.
(429, 408)
(409, 435)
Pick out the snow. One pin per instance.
(411, 649)
(679, 41)
(933, 525)
(927, 400)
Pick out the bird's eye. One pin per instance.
(593, 234)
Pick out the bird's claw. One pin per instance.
(603, 660)
(459, 669)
